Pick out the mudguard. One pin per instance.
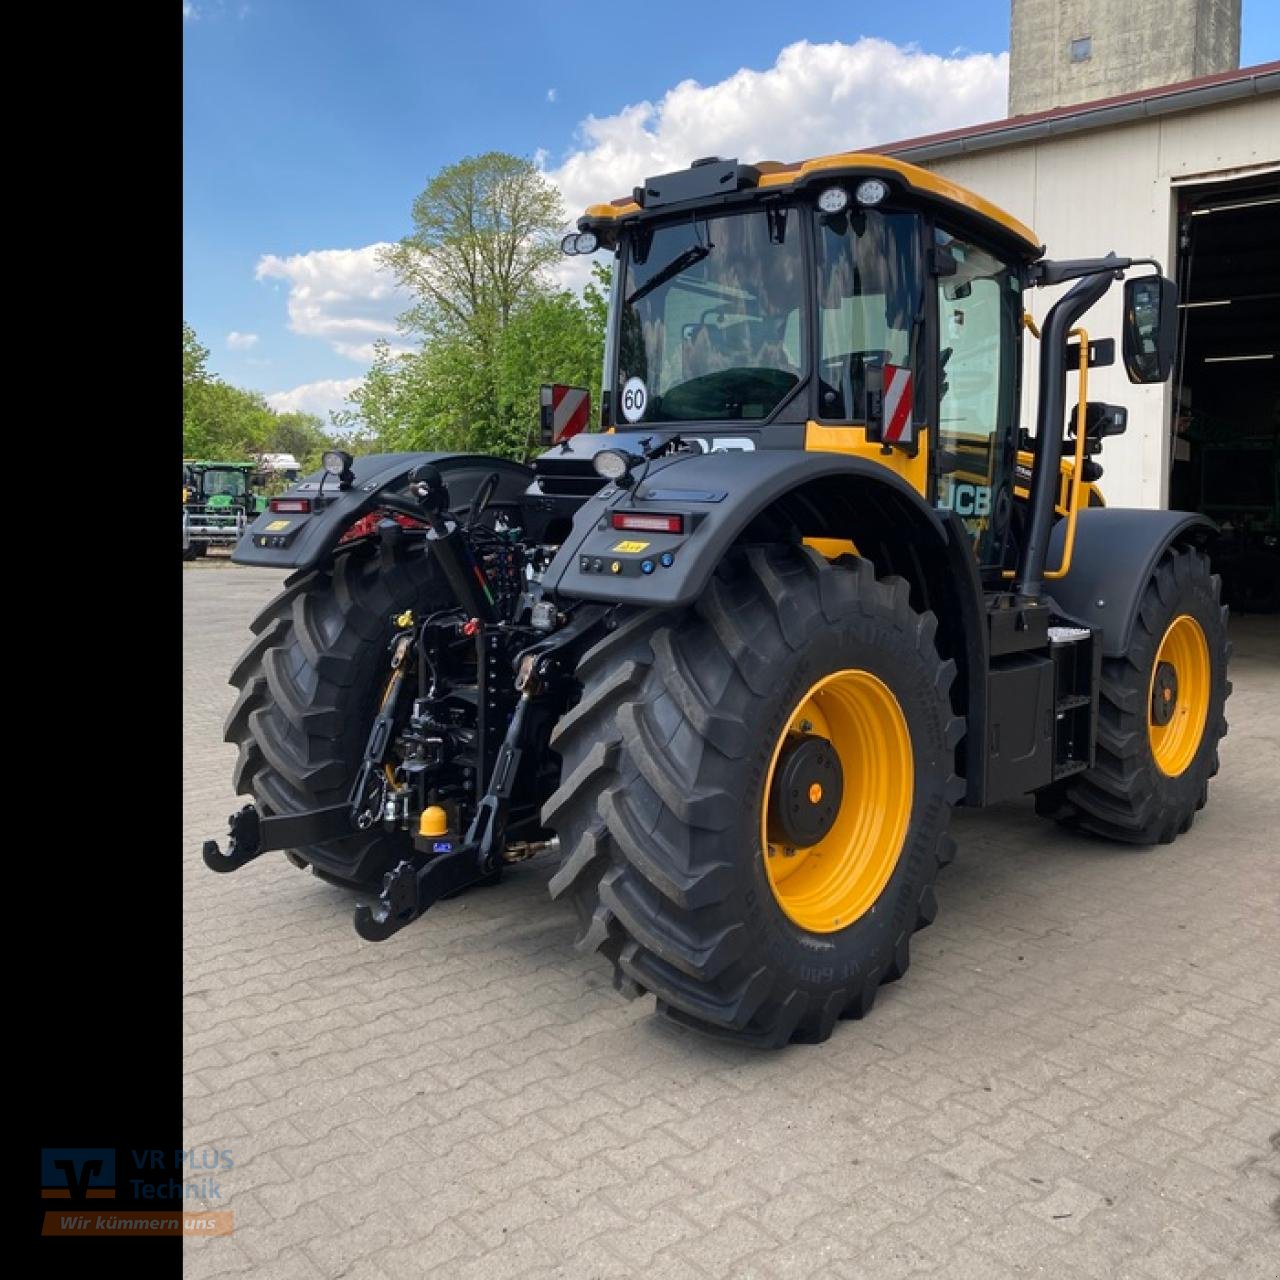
(717, 495)
(1116, 552)
(300, 541)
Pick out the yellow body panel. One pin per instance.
(853, 441)
(831, 548)
(774, 175)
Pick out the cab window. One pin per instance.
(979, 325)
(870, 306)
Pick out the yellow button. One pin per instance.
(434, 821)
(616, 567)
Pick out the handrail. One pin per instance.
(1077, 471)
(1077, 477)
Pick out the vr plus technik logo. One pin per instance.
(164, 1193)
(78, 1173)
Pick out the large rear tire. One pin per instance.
(309, 686)
(667, 762)
(1160, 714)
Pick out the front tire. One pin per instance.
(1160, 714)
(666, 761)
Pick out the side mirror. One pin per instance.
(1150, 327)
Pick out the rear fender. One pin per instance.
(724, 498)
(780, 495)
(301, 541)
(1116, 552)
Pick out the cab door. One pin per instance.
(979, 300)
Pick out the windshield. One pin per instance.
(230, 483)
(710, 320)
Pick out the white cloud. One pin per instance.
(238, 341)
(189, 12)
(343, 296)
(314, 397)
(815, 99)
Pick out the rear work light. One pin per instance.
(291, 506)
(648, 522)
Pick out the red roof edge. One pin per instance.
(1076, 108)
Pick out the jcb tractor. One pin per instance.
(734, 657)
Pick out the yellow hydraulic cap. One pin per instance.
(406, 620)
(434, 821)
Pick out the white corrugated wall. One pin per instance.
(1113, 188)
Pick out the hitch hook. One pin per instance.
(244, 842)
(396, 905)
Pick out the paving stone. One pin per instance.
(1078, 1078)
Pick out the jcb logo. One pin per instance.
(969, 499)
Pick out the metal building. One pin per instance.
(1187, 173)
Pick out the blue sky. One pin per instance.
(309, 128)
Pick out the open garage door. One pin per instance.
(1225, 443)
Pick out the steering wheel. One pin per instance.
(843, 373)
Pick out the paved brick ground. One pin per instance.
(1079, 1077)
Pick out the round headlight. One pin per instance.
(833, 199)
(586, 242)
(335, 461)
(871, 191)
(569, 244)
(612, 464)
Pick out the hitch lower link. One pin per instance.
(412, 886)
(252, 834)
(407, 890)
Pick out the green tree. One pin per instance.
(484, 232)
(477, 388)
(301, 434)
(229, 423)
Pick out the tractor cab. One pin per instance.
(850, 303)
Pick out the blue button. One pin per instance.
(667, 559)
(646, 566)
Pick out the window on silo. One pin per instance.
(1081, 49)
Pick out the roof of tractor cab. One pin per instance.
(928, 187)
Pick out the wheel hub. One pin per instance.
(1164, 693)
(808, 786)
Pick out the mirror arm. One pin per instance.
(1048, 272)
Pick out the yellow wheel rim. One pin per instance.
(1174, 742)
(830, 884)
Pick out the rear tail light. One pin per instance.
(291, 506)
(648, 522)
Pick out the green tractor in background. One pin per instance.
(218, 502)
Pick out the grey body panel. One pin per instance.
(307, 539)
(719, 494)
(1116, 551)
